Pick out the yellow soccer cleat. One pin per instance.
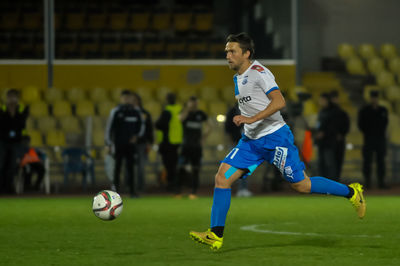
(207, 238)
(358, 200)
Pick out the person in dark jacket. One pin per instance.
(325, 136)
(342, 121)
(13, 117)
(172, 134)
(144, 142)
(124, 127)
(372, 122)
(195, 130)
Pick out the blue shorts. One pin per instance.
(277, 148)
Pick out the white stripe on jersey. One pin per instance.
(251, 90)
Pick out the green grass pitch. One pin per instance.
(288, 230)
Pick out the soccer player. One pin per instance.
(266, 138)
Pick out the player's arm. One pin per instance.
(276, 104)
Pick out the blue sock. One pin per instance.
(221, 203)
(322, 185)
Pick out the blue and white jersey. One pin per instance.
(251, 90)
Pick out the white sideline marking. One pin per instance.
(256, 228)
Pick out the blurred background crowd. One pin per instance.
(160, 64)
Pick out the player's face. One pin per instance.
(235, 55)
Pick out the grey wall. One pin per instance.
(323, 24)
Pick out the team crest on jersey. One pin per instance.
(258, 68)
(280, 158)
(244, 81)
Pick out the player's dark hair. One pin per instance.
(245, 42)
(193, 98)
(374, 94)
(126, 92)
(334, 94)
(171, 98)
(13, 92)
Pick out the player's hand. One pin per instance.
(240, 119)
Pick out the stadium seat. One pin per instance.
(118, 20)
(32, 21)
(132, 47)
(209, 94)
(161, 21)
(70, 124)
(55, 138)
(38, 109)
(46, 123)
(98, 95)
(309, 108)
(116, 94)
(388, 51)
(88, 45)
(394, 65)
(228, 94)
(139, 21)
(154, 108)
(355, 66)
(385, 79)
(10, 21)
(367, 51)
(153, 45)
(36, 138)
(104, 108)
(175, 45)
(110, 44)
(345, 51)
(75, 20)
(98, 123)
(53, 94)
(30, 123)
(217, 108)
(96, 21)
(375, 65)
(185, 93)
(85, 108)
(146, 94)
(392, 93)
(203, 22)
(30, 94)
(182, 21)
(202, 105)
(62, 108)
(75, 95)
(98, 138)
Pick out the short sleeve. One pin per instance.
(266, 81)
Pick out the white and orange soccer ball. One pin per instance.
(107, 205)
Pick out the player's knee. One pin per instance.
(303, 186)
(221, 181)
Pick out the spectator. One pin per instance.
(235, 134)
(13, 117)
(144, 142)
(124, 127)
(342, 121)
(32, 162)
(190, 159)
(325, 137)
(372, 122)
(172, 133)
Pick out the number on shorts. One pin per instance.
(232, 153)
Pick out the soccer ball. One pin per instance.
(107, 205)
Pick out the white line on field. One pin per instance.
(256, 228)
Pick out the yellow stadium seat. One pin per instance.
(30, 123)
(98, 138)
(46, 123)
(154, 108)
(118, 21)
(367, 51)
(36, 138)
(162, 92)
(202, 105)
(85, 108)
(392, 93)
(394, 129)
(182, 21)
(98, 94)
(139, 21)
(96, 21)
(203, 22)
(146, 94)
(388, 51)
(345, 51)
(186, 93)
(209, 94)
(53, 94)
(161, 21)
(55, 138)
(368, 89)
(32, 21)
(228, 94)
(217, 108)
(62, 108)
(394, 65)
(355, 66)
(75, 20)
(104, 108)
(309, 108)
(9, 21)
(75, 95)
(385, 79)
(98, 123)
(30, 94)
(70, 124)
(116, 94)
(386, 104)
(38, 109)
(375, 65)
